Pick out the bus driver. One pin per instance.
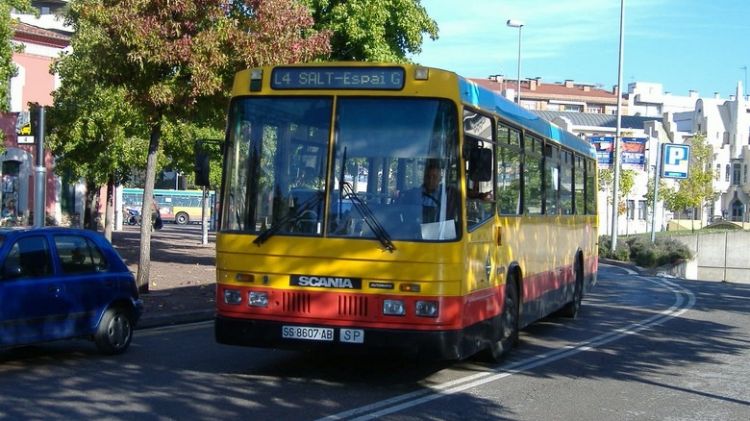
(429, 195)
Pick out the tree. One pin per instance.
(624, 186)
(175, 61)
(94, 133)
(373, 30)
(698, 188)
(7, 48)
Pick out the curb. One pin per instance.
(147, 322)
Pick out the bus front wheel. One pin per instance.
(182, 218)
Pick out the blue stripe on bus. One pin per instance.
(485, 99)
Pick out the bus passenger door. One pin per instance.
(479, 157)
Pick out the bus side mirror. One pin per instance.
(202, 169)
(480, 164)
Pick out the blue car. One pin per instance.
(59, 283)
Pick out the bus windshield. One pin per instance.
(395, 168)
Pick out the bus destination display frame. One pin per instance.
(363, 78)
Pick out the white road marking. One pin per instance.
(409, 400)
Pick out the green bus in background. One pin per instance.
(179, 206)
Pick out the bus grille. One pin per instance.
(296, 302)
(352, 306)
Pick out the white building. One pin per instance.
(649, 99)
(726, 126)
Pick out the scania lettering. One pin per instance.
(313, 281)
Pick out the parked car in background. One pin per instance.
(59, 283)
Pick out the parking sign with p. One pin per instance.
(675, 160)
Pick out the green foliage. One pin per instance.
(694, 191)
(94, 132)
(179, 144)
(624, 186)
(373, 30)
(173, 61)
(665, 251)
(640, 250)
(665, 193)
(605, 249)
(178, 58)
(7, 69)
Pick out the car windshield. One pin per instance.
(393, 176)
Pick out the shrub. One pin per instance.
(642, 251)
(672, 251)
(605, 245)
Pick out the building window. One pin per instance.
(631, 209)
(728, 172)
(595, 109)
(736, 174)
(718, 171)
(572, 107)
(642, 210)
(744, 176)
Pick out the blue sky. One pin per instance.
(683, 44)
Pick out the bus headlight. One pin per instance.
(427, 308)
(232, 296)
(394, 308)
(257, 299)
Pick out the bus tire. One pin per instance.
(182, 218)
(508, 325)
(571, 309)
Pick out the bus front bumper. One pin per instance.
(442, 344)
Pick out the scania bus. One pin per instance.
(396, 208)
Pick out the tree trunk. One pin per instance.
(144, 261)
(89, 219)
(110, 209)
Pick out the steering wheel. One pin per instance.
(305, 220)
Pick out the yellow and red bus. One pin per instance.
(399, 208)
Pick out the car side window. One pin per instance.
(79, 254)
(28, 257)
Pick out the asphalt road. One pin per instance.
(644, 348)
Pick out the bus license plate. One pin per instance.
(353, 336)
(307, 333)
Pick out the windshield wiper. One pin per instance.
(375, 226)
(290, 217)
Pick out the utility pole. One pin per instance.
(40, 170)
(616, 146)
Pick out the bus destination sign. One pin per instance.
(378, 78)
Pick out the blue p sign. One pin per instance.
(675, 160)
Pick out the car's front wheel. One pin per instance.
(115, 331)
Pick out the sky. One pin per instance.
(685, 45)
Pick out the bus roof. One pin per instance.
(488, 100)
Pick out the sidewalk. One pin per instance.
(182, 276)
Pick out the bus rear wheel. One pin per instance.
(181, 218)
(508, 326)
(572, 308)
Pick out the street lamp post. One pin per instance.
(517, 24)
(616, 145)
